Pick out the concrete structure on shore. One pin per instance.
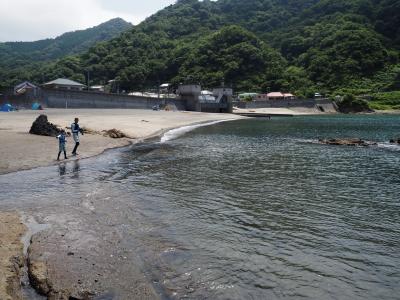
(85, 99)
(191, 94)
(189, 97)
(57, 94)
(219, 102)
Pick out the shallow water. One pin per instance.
(250, 209)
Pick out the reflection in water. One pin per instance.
(62, 169)
(76, 168)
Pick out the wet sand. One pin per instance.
(11, 255)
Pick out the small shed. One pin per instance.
(64, 84)
(25, 87)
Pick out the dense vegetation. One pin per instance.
(19, 59)
(302, 46)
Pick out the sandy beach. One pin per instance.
(20, 150)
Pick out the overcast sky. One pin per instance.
(30, 20)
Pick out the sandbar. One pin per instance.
(20, 150)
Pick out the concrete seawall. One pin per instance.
(81, 99)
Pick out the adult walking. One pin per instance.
(76, 130)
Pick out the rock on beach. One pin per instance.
(41, 126)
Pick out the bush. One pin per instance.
(351, 104)
(248, 99)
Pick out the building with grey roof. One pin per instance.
(64, 84)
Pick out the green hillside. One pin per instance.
(17, 53)
(302, 46)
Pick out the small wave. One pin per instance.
(307, 141)
(177, 132)
(388, 146)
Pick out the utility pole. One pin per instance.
(88, 79)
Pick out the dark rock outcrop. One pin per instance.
(393, 141)
(346, 142)
(42, 126)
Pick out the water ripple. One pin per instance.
(247, 209)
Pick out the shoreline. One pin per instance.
(129, 143)
(23, 151)
(28, 168)
(387, 112)
(14, 228)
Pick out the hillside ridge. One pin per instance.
(301, 46)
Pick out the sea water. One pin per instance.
(250, 209)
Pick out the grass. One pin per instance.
(385, 101)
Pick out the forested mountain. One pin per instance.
(254, 45)
(16, 54)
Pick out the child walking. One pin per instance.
(62, 139)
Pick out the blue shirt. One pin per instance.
(75, 128)
(62, 138)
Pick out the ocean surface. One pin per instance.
(250, 209)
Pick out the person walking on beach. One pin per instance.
(62, 139)
(75, 134)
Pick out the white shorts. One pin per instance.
(76, 137)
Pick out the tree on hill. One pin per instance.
(341, 52)
(234, 56)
